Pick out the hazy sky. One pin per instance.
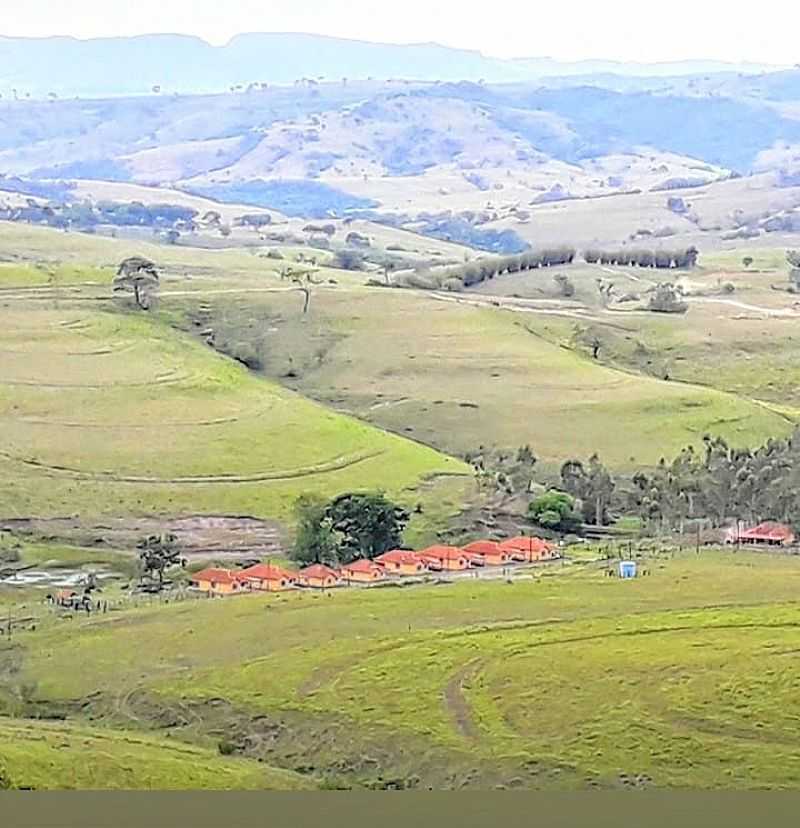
(645, 30)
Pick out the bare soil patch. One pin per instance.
(220, 536)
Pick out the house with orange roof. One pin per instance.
(319, 576)
(217, 581)
(268, 578)
(449, 557)
(770, 533)
(362, 571)
(431, 563)
(474, 558)
(530, 549)
(402, 562)
(491, 552)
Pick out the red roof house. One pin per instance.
(769, 532)
(491, 552)
(217, 581)
(449, 557)
(319, 576)
(363, 571)
(529, 549)
(268, 577)
(402, 562)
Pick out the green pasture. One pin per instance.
(114, 413)
(459, 377)
(684, 677)
(65, 756)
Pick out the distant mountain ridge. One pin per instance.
(184, 64)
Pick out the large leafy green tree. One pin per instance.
(353, 525)
(315, 541)
(555, 510)
(368, 524)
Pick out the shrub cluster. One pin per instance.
(83, 215)
(488, 267)
(680, 258)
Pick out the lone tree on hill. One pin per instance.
(304, 289)
(139, 276)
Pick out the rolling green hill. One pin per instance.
(109, 413)
(459, 377)
(58, 756)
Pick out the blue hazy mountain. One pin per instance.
(178, 63)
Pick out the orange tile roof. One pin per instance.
(430, 561)
(400, 556)
(770, 530)
(444, 553)
(484, 547)
(475, 557)
(218, 576)
(362, 565)
(266, 572)
(526, 544)
(319, 571)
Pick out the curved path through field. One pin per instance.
(334, 465)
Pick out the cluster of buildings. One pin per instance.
(397, 562)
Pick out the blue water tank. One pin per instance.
(627, 569)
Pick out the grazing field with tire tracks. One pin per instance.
(58, 756)
(563, 678)
(114, 413)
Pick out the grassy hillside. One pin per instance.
(739, 335)
(109, 413)
(59, 756)
(434, 368)
(458, 377)
(566, 680)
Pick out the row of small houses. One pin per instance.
(398, 562)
